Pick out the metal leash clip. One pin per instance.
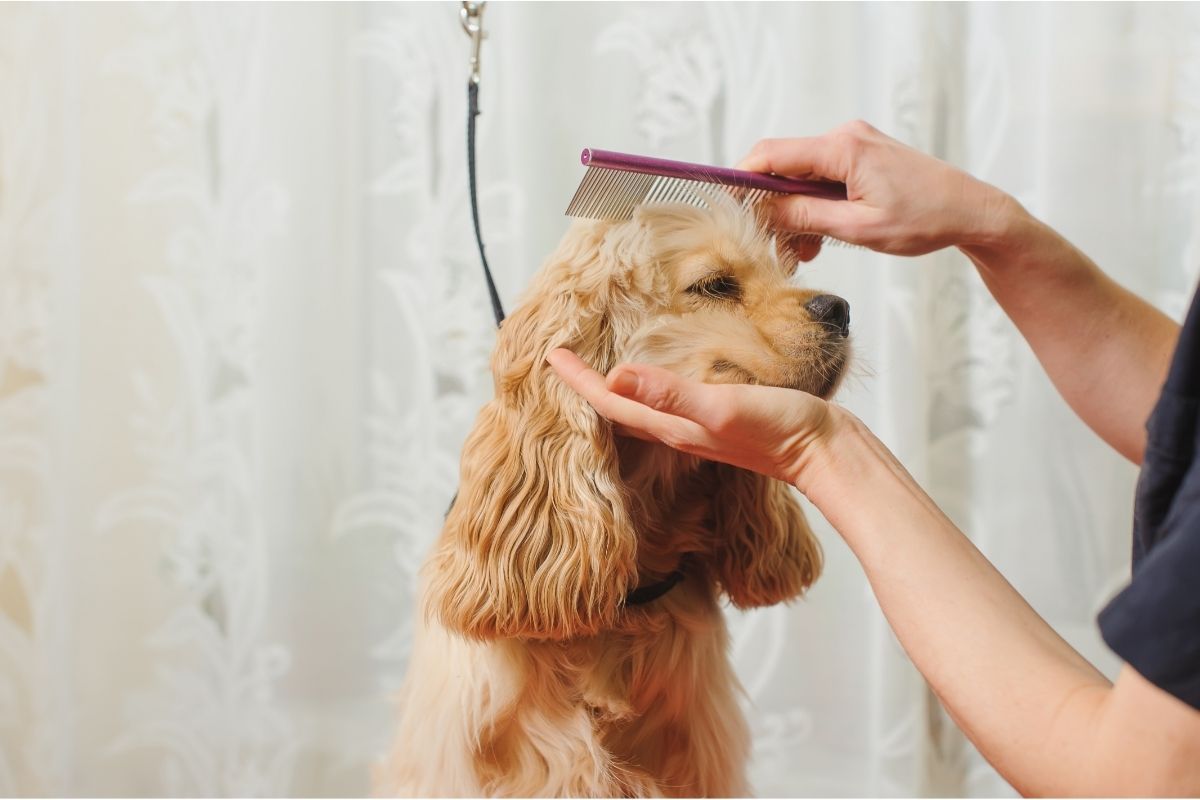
(471, 16)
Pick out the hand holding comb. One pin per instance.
(615, 184)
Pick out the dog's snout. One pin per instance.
(831, 311)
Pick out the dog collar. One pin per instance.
(642, 594)
(651, 592)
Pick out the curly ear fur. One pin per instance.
(539, 542)
(766, 553)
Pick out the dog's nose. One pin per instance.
(831, 311)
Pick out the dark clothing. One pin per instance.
(1154, 623)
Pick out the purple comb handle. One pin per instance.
(626, 162)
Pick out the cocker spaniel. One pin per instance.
(570, 637)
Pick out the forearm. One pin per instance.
(1035, 708)
(1105, 349)
(1020, 692)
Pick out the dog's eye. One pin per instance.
(722, 287)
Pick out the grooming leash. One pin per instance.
(471, 17)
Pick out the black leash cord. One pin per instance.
(472, 113)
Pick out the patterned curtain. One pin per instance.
(243, 335)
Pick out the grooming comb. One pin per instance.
(615, 184)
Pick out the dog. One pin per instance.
(570, 636)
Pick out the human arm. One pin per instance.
(1035, 708)
(1105, 349)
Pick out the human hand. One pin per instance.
(777, 432)
(899, 200)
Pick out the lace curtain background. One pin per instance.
(243, 335)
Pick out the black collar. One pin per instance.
(642, 594)
(652, 591)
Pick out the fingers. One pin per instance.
(798, 247)
(801, 214)
(668, 392)
(806, 157)
(632, 415)
(808, 248)
(831, 155)
(631, 389)
(570, 367)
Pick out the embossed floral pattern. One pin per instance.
(211, 708)
(243, 335)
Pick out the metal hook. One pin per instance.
(471, 17)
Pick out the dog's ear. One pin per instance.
(766, 552)
(539, 542)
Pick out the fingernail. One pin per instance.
(625, 383)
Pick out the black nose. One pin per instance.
(831, 311)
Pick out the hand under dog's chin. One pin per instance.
(821, 380)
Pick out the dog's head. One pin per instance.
(723, 308)
(541, 541)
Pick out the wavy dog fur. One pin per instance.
(530, 676)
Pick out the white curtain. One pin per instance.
(243, 335)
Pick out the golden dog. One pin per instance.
(534, 673)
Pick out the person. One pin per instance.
(1046, 719)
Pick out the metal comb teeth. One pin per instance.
(616, 184)
(612, 194)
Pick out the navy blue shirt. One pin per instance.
(1154, 623)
